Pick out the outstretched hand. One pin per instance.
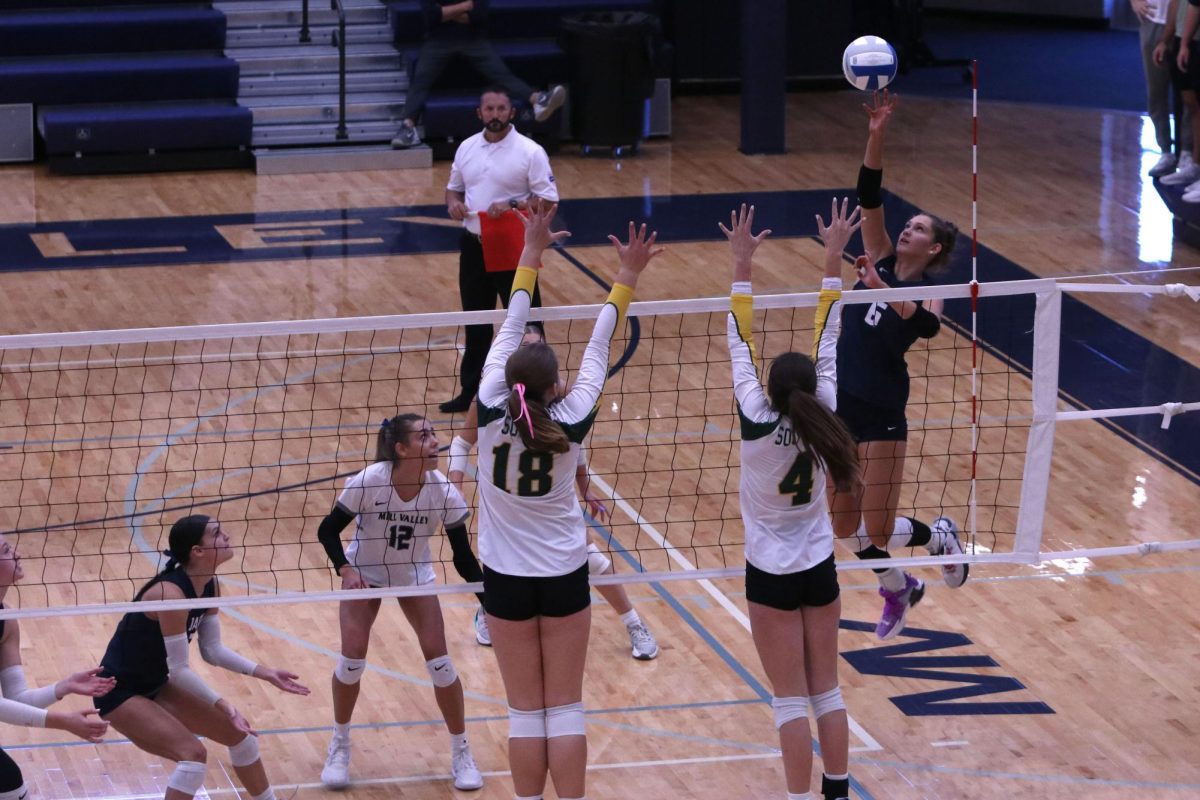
(742, 240)
(538, 235)
(284, 681)
(88, 683)
(86, 725)
(880, 110)
(637, 252)
(836, 235)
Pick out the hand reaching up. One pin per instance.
(742, 240)
(635, 254)
(836, 235)
(538, 235)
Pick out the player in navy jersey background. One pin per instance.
(873, 383)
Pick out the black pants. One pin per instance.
(478, 289)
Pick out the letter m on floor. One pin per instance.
(920, 659)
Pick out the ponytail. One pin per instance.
(538, 431)
(185, 534)
(531, 374)
(791, 387)
(825, 437)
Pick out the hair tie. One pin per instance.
(383, 425)
(520, 390)
(168, 553)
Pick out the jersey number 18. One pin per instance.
(535, 471)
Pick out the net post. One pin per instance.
(1040, 447)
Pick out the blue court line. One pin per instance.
(730, 660)
(635, 325)
(420, 723)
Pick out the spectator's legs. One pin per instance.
(432, 60)
(487, 62)
(1158, 82)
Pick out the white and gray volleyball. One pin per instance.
(869, 63)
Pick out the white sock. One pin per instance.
(269, 794)
(901, 533)
(341, 731)
(631, 618)
(892, 579)
(531, 797)
(458, 741)
(794, 796)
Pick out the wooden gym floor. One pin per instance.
(1110, 647)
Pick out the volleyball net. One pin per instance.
(106, 438)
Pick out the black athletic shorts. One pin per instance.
(1181, 81)
(122, 692)
(871, 423)
(518, 598)
(814, 587)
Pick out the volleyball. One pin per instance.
(869, 63)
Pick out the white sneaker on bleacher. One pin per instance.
(1187, 172)
(1164, 166)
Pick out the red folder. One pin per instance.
(503, 239)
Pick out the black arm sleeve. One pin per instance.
(870, 184)
(925, 322)
(330, 534)
(465, 562)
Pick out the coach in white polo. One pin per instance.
(494, 171)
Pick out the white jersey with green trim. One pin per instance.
(784, 510)
(530, 522)
(392, 536)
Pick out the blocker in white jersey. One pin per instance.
(782, 485)
(530, 522)
(531, 531)
(391, 537)
(790, 440)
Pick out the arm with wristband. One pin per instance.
(870, 178)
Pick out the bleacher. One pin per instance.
(526, 34)
(116, 85)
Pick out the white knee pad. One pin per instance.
(789, 709)
(188, 777)
(565, 720)
(826, 702)
(526, 724)
(441, 671)
(349, 670)
(245, 752)
(598, 563)
(19, 793)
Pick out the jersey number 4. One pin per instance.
(799, 480)
(399, 536)
(535, 471)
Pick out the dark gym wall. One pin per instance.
(706, 35)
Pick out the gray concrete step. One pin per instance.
(290, 160)
(313, 57)
(281, 36)
(317, 83)
(271, 135)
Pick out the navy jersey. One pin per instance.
(136, 655)
(870, 353)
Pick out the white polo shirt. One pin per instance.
(511, 169)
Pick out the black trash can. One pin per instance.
(610, 58)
